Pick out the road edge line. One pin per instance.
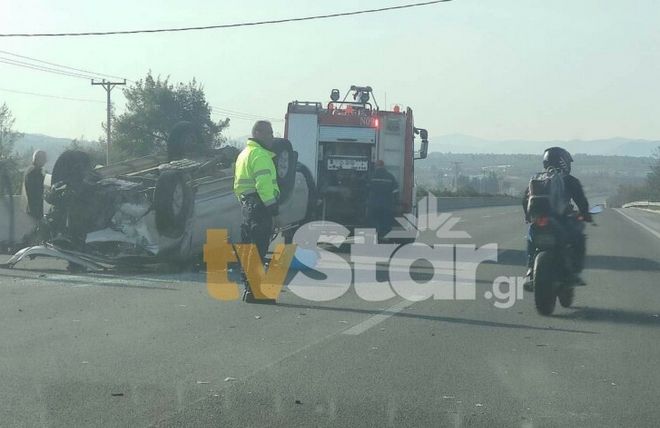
(637, 222)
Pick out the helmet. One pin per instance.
(556, 157)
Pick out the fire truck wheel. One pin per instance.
(173, 200)
(285, 165)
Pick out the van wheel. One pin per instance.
(173, 200)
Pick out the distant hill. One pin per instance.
(53, 146)
(459, 143)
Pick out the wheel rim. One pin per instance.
(283, 164)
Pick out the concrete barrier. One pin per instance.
(446, 204)
(23, 224)
(642, 204)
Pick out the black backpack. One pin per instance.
(547, 194)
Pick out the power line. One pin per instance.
(223, 26)
(228, 112)
(244, 116)
(43, 68)
(60, 65)
(51, 96)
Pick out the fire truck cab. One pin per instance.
(339, 144)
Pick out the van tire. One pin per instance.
(173, 201)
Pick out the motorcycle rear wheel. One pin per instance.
(545, 296)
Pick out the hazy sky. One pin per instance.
(492, 68)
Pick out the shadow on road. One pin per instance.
(614, 316)
(620, 263)
(454, 320)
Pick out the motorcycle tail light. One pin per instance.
(542, 221)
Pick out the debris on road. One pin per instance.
(84, 362)
(343, 322)
(202, 382)
(230, 379)
(117, 394)
(479, 405)
(298, 402)
(257, 317)
(448, 397)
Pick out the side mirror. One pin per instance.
(424, 149)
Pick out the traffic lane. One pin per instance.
(157, 342)
(452, 363)
(460, 319)
(137, 320)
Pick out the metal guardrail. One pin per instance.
(640, 204)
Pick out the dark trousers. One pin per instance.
(381, 218)
(256, 228)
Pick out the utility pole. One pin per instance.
(108, 86)
(457, 173)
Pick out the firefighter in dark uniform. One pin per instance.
(34, 186)
(383, 189)
(255, 185)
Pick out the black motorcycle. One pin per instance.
(554, 276)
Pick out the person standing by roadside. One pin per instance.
(34, 186)
(380, 206)
(255, 185)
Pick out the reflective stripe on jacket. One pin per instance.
(255, 173)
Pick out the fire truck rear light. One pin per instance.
(376, 122)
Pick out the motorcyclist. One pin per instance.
(560, 159)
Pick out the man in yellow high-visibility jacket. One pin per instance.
(255, 185)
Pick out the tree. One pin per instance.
(10, 175)
(153, 107)
(653, 178)
(7, 134)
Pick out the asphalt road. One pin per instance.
(153, 349)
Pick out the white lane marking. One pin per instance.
(378, 318)
(638, 223)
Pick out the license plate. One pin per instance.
(544, 241)
(351, 164)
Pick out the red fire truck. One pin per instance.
(338, 145)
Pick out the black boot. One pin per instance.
(248, 297)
